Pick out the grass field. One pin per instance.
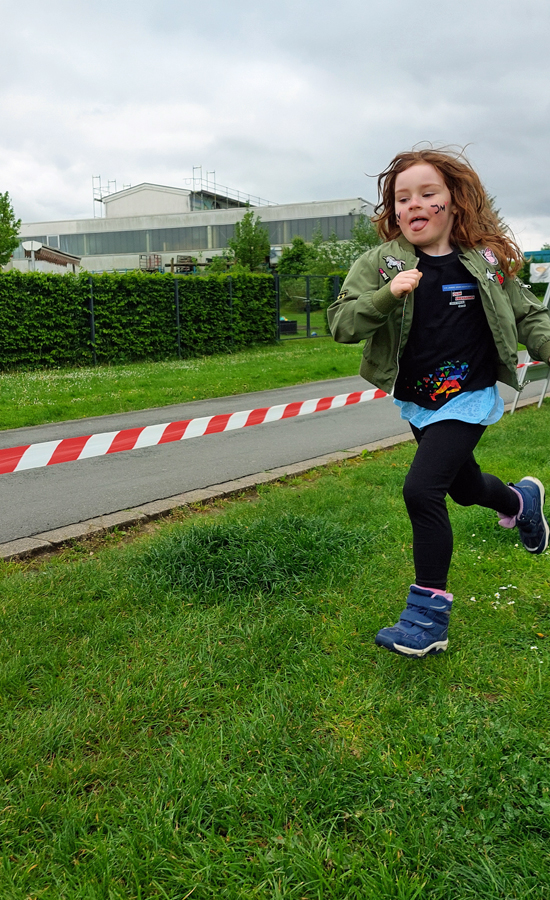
(202, 712)
(53, 395)
(317, 321)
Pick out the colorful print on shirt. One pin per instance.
(450, 348)
(444, 379)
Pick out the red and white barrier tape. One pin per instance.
(48, 453)
(534, 362)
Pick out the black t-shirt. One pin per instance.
(450, 348)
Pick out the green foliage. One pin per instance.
(218, 266)
(335, 255)
(134, 316)
(333, 283)
(296, 259)
(249, 245)
(45, 319)
(322, 257)
(253, 309)
(9, 229)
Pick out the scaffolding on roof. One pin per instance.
(207, 194)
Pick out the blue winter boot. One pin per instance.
(531, 524)
(422, 627)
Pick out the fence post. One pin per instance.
(230, 286)
(92, 319)
(308, 306)
(177, 303)
(277, 287)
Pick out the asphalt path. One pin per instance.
(37, 500)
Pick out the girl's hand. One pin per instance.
(405, 282)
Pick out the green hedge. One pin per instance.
(45, 320)
(330, 284)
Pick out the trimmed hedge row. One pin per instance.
(59, 320)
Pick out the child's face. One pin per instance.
(424, 208)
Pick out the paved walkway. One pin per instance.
(44, 508)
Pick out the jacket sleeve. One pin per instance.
(362, 306)
(532, 320)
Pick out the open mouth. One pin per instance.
(417, 224)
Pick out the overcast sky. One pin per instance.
(292, 101)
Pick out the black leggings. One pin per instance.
(444, 464)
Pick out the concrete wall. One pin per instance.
(353, 206)
(123, 223)
(40, 265)
(147, 200)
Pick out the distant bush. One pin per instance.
(45, 320)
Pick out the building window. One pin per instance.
(193, 238)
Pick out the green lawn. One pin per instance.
(53, 395)
(317, 322)
(203, 713)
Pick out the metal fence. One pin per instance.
(301, 302)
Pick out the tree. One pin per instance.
(249, 245)
(218, 266)
(296, 259)
(9, 229)
(322, 257)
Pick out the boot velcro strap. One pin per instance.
(436, 602)
(417, 615)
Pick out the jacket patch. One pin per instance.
(384, 275)
(343, 294)
(393, 263)
(491, 275)
(500, 276)
(489, 256)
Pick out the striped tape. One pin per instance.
(49, 453)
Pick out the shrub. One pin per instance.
(45, 319)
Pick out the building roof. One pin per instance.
(51, 255)
(145, 186)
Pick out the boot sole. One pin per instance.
(436, 647)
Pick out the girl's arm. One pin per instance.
(363, 306)
(532, 320)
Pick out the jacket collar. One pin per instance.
(406, 245)
(473, 255)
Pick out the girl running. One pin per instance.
(441, 311)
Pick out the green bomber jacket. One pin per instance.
(366, 310)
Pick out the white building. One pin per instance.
(164, 222)
(40, 258)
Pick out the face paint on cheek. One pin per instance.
(439, 207)
(398, 216)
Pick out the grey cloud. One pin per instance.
(292, 101)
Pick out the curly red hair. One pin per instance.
(475, 223)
